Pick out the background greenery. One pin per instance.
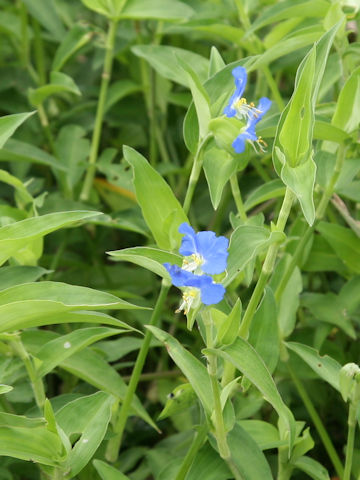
(78, 81)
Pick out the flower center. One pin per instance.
(244, 109)
(190, 264)
(189, 295)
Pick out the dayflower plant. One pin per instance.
(239, 108)
(204, 253)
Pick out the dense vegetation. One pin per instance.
(130, 130)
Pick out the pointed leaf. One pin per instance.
(246, 359)
(10, 123)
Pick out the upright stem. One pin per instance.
(320, 212)
(237, 197)
(326, 440)
(36, 381)
(194, 175)
(196, 444)
(115, 442)
(267, 268)
(39, 52)
(105, 80)
(350, 441)
(220, 432)
(284, 467)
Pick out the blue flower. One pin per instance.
(240, 76)
(210, 292)
(204, 252)
(239, 107)
(249, 133)
(207, 251)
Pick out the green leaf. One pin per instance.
(264, 335)
(249, 458)
(20, 188)
(329, 308)
(208, 465)
(267, 191)
(72, 150)
(219, 166)
(109, 8)
(10, 123)
(347, 112)
(88, 416)
(164, 60)
(200, 98)
(150, 258)
(18, 151)
(264, 434)
(17, 274)
(326, 367)
(216, 61)
(75, 39)
(59, 83)
(56, 351)
(161, 210)
(102, 376)
(289, 9)
(301, 38)
(345, 243)
(5, 388)
(247, 360)
(290, 299)
(180, 399)
(246, 242)
(29, 439)
(35, 304)
(46, 14)
(229, 327)
(312, 468)
(301, 180)
(191, 367)
(157, 9)
(16, 236)
(293, 155)
(119, 90)
(107, 472)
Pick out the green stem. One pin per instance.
(95, 141)
(235, 189)
(115, 442)
(350, 441)
(36, 381)
(267, 268)
(320, 212)
(194, 175)
(45, 125)
(196, 444)
(274, 88)
(326, 440)
(284, 467)
(218, 419)
(39, 52)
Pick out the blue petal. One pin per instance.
(213, 249)
(239, 143)
(210, 292)
(179, 277)
(188, 243)
(240, 76)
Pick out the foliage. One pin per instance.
(131, 161)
